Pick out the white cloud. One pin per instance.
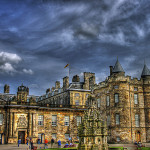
(8, 68)
(9, 57)
(28, 71)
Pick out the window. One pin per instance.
(137, 123)
(116, 98)
(40, 120)
(77, 102)
(54, 120)
(41, 98)
(118, 139)
(135, 98)
(76, 94)
(117, 119)
(78, 120)
(107, 100)
(66, 120)
(135, 89)
(67, 136)
(1, 119)
(37, 99)
(54, 136)
(46, 95)
(98, 103)
(59, 90)
(28, 100)
(116, 87)
(108, 120)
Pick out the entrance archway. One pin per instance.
(21, 135)
(138, 136)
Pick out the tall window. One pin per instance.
(116, 98)
(77, 102)
(1, 119)
(76, 94)
(108, 120)
(135, 98)
(117, 119)
(107, 100)
(54, 120)
(78, 120)
(67, 136)
(135, 88)
(66, 120)
(40, 120)
(54, 136)
(98, 103)
(137, 122)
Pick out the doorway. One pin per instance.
(138, 136)
(21, 135)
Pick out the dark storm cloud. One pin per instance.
(48, 34)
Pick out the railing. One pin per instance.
(8, 103)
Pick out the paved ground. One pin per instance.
(41, 146)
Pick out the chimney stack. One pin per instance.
(57, 84)
(65, 83)
(6, 88)
(76, 78)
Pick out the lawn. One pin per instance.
(144, 148)
(121, 148)
(60, 148)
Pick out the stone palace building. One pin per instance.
(123, 102)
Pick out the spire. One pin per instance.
(146, 71)
(117, 67)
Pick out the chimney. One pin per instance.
(6, 88)
(57, 84)
(48, 90)
(111, 70)
(65, 83)
(76, 78)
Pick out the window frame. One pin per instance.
(66, 123)
(117, 121)
(79, 122)
(107, 100)
(41, 122)
(136, 101)
(116, 102)
(98, 102)
(137, 122)
(54, 123)
(1, 119)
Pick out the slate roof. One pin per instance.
(146, 71)
(118, 67)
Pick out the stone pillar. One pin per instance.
(30, 124)
(10, 125)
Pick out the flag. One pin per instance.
(66, 66)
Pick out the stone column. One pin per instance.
(10, 125)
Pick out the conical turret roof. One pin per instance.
(117, 67)
(146, 71)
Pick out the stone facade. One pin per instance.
(54, 115)
(125, 105)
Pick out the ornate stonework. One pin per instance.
(93, 130)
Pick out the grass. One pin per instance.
(60, 148)
(144, 148)
(121, 148)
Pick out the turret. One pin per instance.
(117, 69)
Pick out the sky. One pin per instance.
(39, 37)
